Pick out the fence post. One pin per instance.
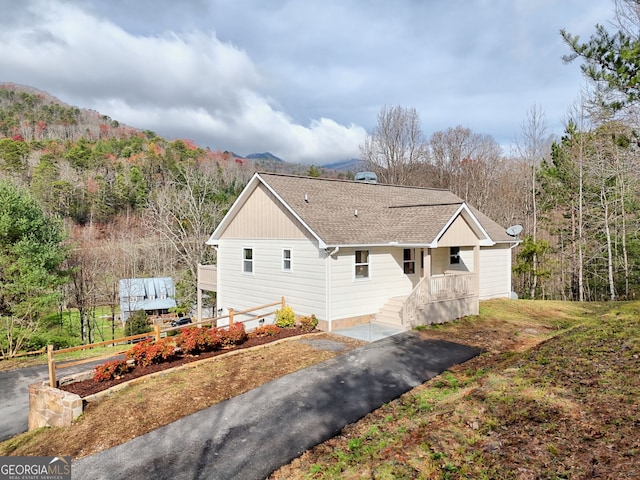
(157, 329)
(52, 367)
(230, 317)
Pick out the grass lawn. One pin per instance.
(555, 395)
(65, 326)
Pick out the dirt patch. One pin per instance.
(493, 336)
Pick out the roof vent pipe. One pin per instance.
(355, 213)
(306, 199)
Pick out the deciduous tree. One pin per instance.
(396, 148)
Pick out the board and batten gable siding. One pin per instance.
(458, 234)
(495, 271)
(350, 297)
(263, 216)
(303, 287)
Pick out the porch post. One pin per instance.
(476, 269)
(427, 272)
(199, 297)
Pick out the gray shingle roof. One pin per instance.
(385, 213)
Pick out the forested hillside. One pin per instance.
(135, 204)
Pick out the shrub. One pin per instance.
(41, 340)
(266, 331)
(137, 323)
(110, 370)
(285, 318)
(308, 324)
(193, 340)
(147, 352)
(235, 335)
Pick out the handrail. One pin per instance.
(418, 297)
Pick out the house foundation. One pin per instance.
(344, 322)
(446, 311)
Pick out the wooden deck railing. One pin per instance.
(122, 344)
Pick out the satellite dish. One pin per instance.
(514, 230)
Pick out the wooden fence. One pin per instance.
(157, 334)
(24, 354)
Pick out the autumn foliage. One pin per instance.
(148, 352)
(190, 341)
(110, 370)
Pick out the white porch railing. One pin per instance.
(436, 289)
(207, 277)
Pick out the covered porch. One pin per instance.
(444, 288)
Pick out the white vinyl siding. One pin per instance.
(440, 260)
(350, 297)
(495, 272)
(303, 287)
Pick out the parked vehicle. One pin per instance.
(181, 321)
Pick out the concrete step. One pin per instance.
(396, 301)
(391, 320)
(394, 325)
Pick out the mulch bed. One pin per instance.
(89, 387)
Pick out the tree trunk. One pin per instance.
(607, 231)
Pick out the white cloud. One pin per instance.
(299, 79)
(177, 84)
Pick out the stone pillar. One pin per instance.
(51, 407)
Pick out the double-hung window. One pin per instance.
(247, 260)
(454, 255)
(286, 260)
(409, 261)
(362, 264)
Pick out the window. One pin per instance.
(247, 260)
(286, 259)
(454, 255)
(409, 261)
(362, 263)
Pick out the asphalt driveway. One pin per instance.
(253, 434)
(14, 394)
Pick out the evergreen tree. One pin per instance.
(137, 323)
(31, 255)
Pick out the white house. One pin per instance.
(352, 252)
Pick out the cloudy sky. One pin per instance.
(303, 79)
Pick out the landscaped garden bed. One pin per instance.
(190, 345)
